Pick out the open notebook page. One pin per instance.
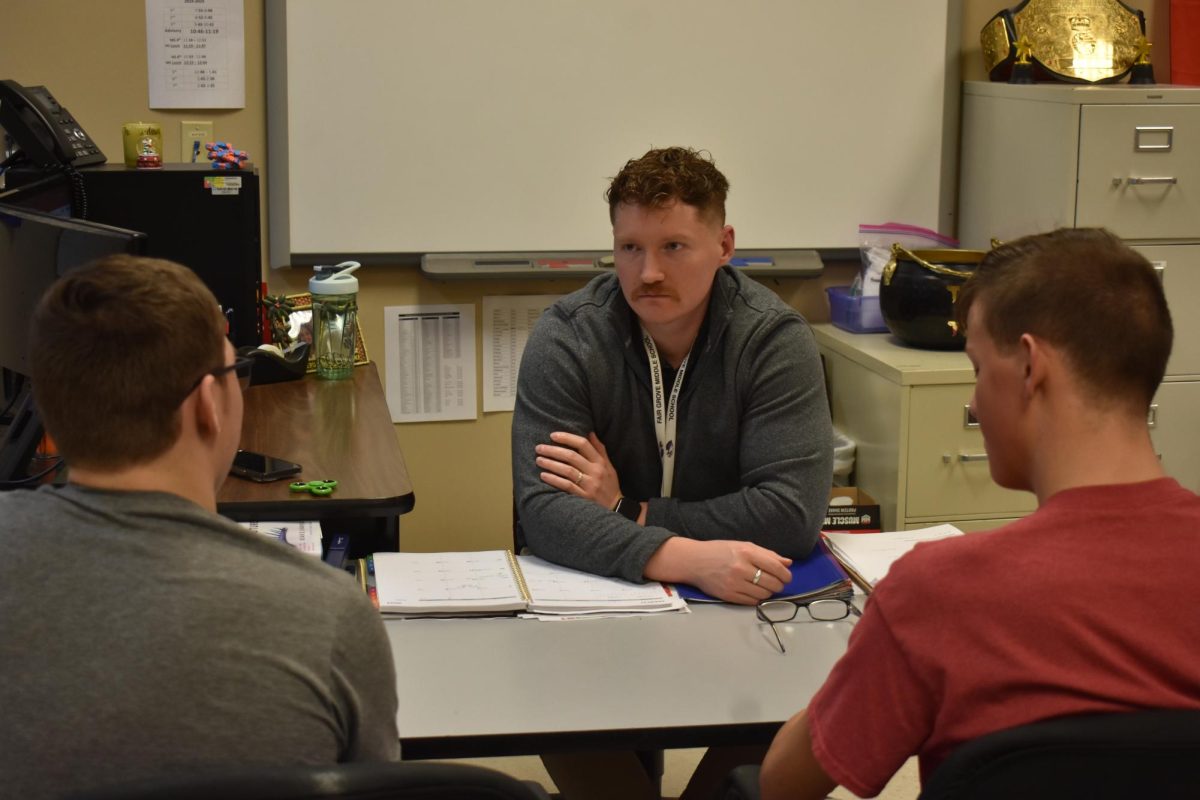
(447, 582)
(556, 589)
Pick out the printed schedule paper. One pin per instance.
(429, 352)
(196, 53)
(507, 323)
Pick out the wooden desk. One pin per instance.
(334, 429)
(493, 687)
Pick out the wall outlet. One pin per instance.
(191, 132)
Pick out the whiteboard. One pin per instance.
(428, 126)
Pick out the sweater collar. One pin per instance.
(726, 286)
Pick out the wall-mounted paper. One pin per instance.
(197, 53)
(507, 321)
(429, 352)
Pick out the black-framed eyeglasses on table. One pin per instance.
(826, 609)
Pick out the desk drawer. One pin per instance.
(1142, 142)
(947, 472)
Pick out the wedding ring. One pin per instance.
(757, 576)
(579, 477)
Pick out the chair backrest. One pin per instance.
(1153, 753)
(387, 781)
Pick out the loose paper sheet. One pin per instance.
(304, 535)
(507, 322)
(429, 352)
(197, 53)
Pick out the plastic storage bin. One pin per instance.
(854, 314)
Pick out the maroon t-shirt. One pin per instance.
(1087, 605)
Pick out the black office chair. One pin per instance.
(1153, 753)
(387, 781)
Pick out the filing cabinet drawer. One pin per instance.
(1139, 170)
(948, 471)
(1175, 431)
(1180, 265)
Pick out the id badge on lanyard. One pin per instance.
(666, 409)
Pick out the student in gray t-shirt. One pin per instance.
(141, 634)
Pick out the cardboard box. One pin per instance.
(861, 513)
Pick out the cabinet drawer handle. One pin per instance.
(1166, 179)
(969, 419)
(962, 458)
(1157, 138)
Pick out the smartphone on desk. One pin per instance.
(260, 467)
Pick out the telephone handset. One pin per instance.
(45, 131)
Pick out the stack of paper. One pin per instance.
(497, 582)
(304, 535)
(869, 556)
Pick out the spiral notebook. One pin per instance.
(495, 582)
(868, 556)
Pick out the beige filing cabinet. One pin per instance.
(1127, 158)
(918, 453)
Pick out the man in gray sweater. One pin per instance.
(141, 634)
(671, 421)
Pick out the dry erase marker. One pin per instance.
(752, 261)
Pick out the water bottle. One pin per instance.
(335, 319)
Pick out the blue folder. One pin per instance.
(817, 575)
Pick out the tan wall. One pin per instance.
(92, 55)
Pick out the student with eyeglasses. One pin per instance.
(144, 635)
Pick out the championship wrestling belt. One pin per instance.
(1077, 41)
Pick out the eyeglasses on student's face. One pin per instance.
(824, 610)
(240, 366)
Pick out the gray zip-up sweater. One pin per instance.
(754, 453)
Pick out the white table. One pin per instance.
(489, 687)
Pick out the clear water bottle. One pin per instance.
(334, 293)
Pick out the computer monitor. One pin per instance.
(36, 249)
(38, 190)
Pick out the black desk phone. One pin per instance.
(45, 131)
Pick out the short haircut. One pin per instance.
(1085, 292)
(115, 347)
(662, 177)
